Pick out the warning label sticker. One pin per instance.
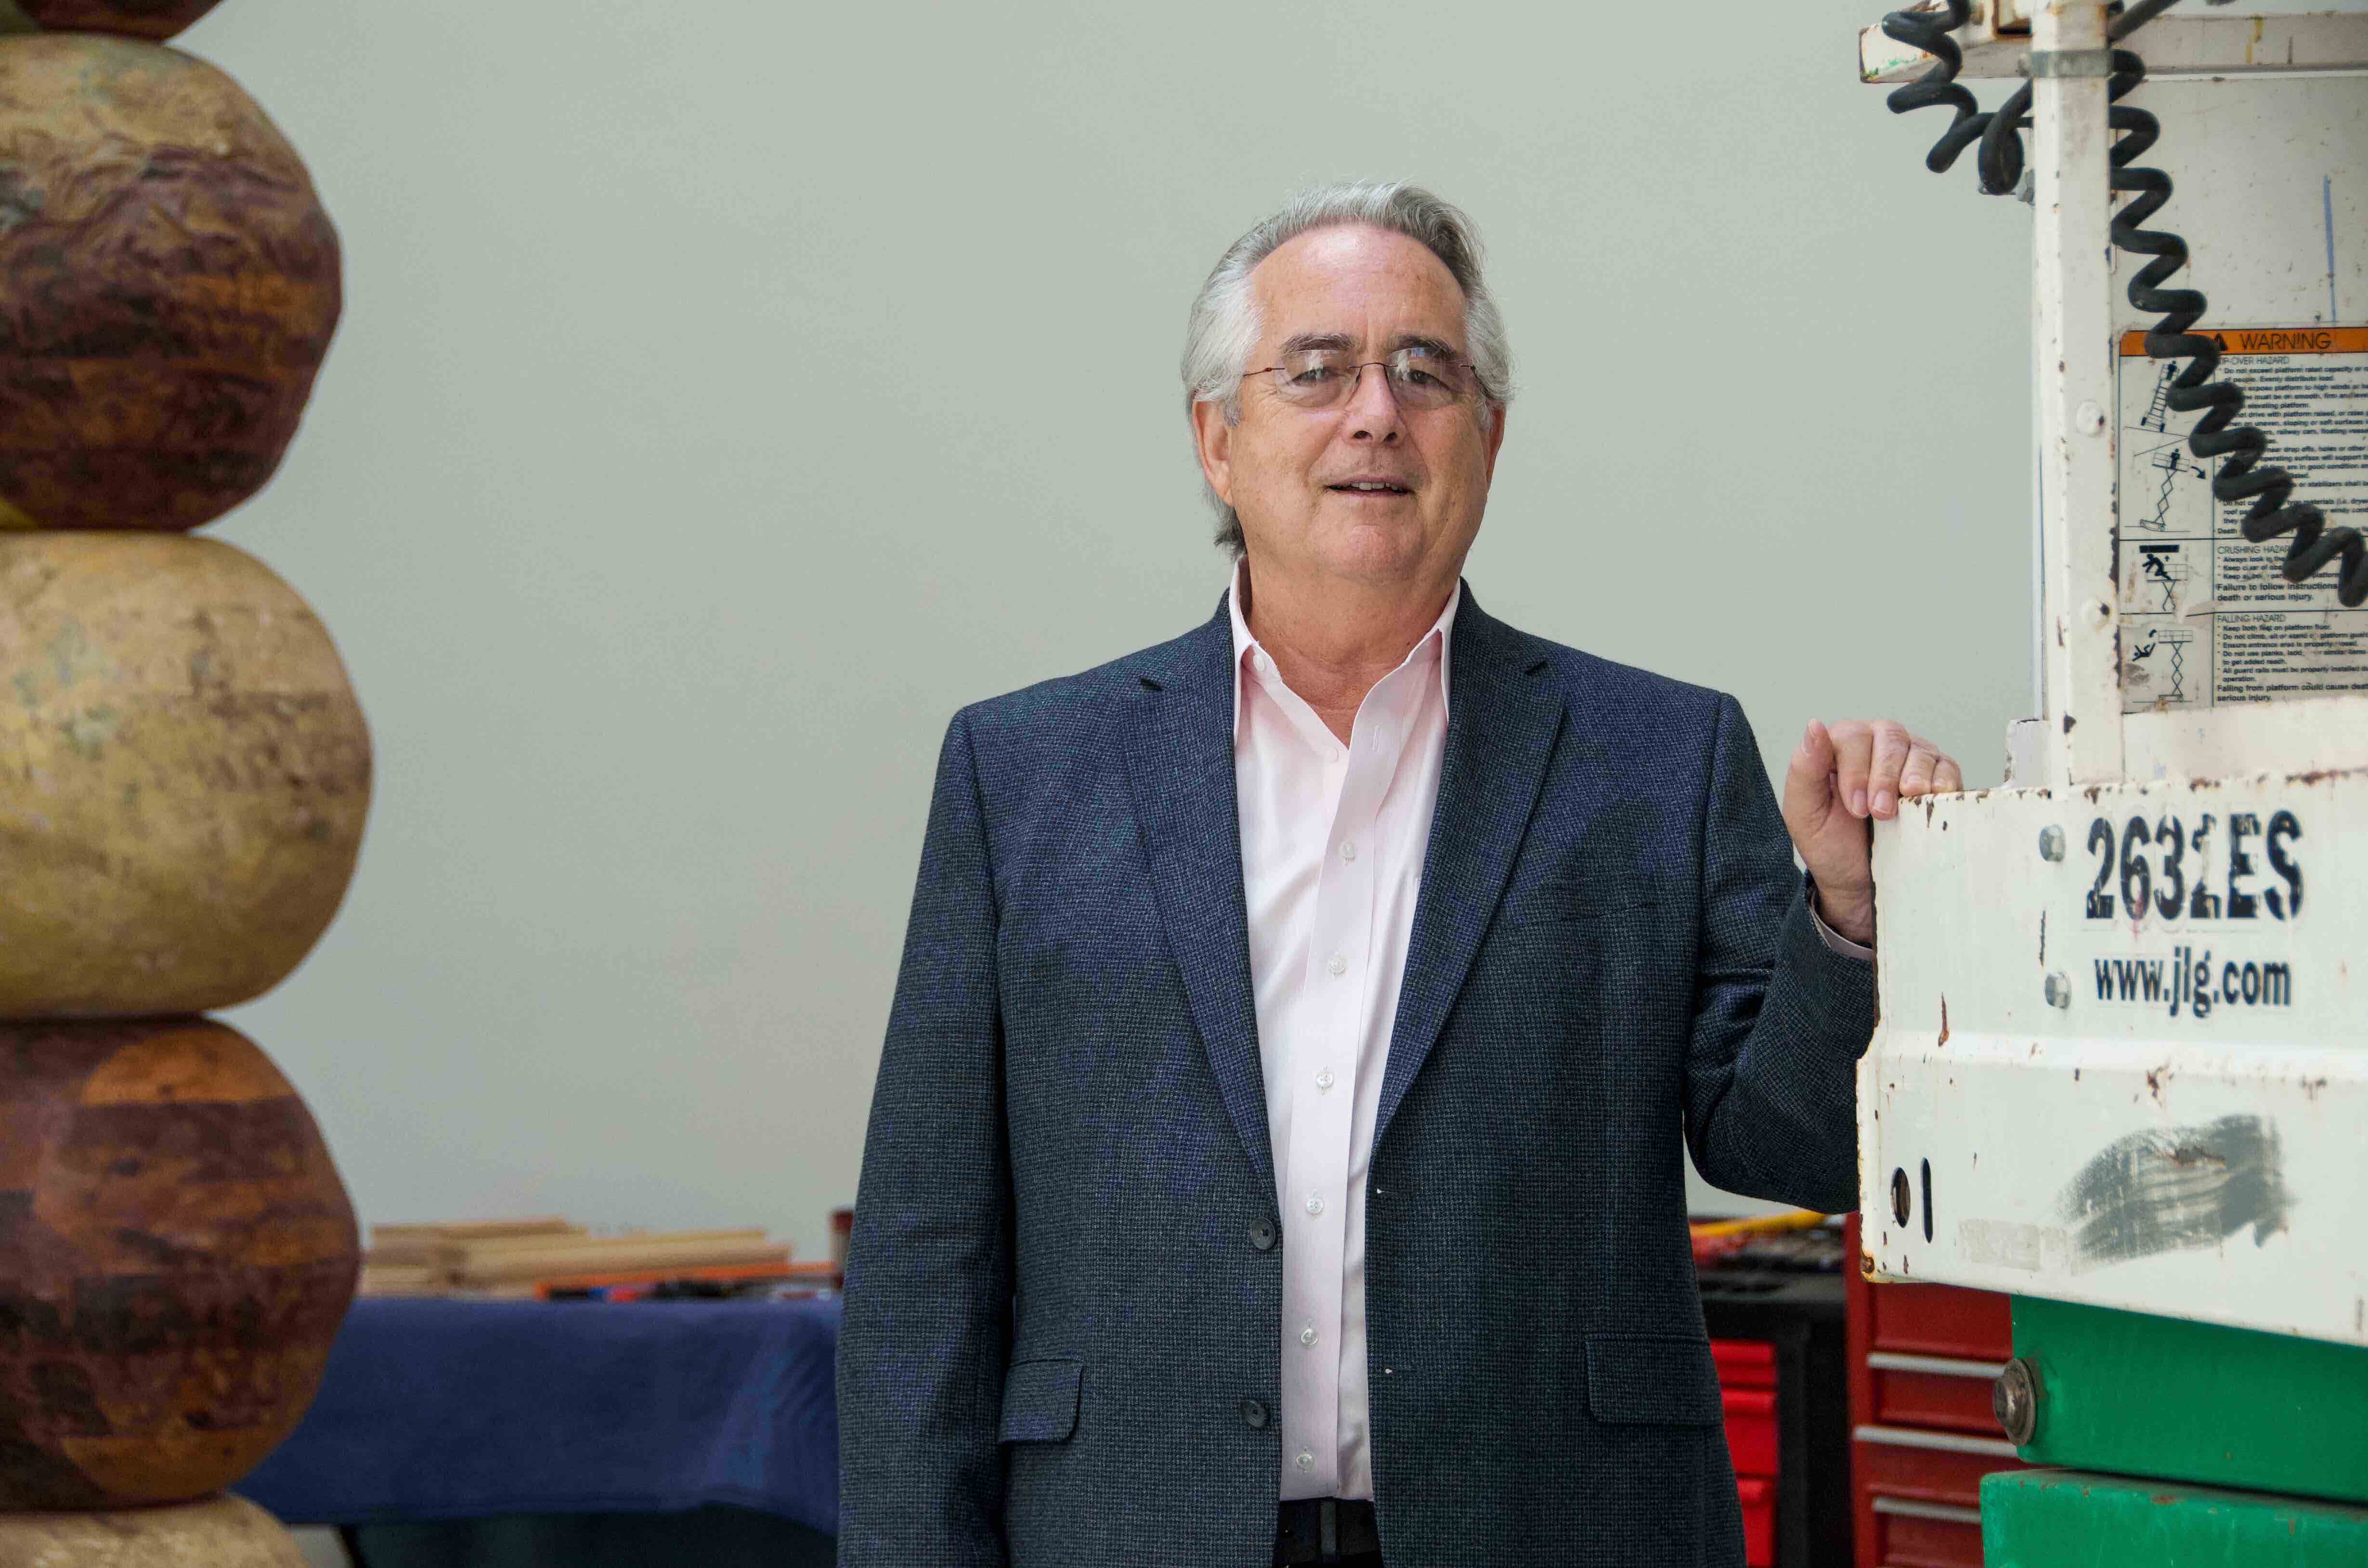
(2207, 616)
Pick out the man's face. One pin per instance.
(1291, 471)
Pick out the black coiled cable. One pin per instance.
(2002, 148)
(2270, 490)
(2000, 161)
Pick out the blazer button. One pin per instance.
(1262, 1236)
(1253, 1414)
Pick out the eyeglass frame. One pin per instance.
(1463, 395)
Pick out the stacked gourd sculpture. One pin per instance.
(184, 773)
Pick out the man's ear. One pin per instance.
(1496, 437)
(1214, 437)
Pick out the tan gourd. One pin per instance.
(184, 774)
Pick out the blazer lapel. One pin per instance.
(1180, 759)
(1503, 718)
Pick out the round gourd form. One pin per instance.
(176, 1254)
(184, 773)
(133, 19)
(221, 1532)
(169, 285)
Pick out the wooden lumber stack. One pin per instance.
(530, 1258)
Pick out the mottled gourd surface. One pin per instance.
(133, 19)
(176, 1254)
(184, 776)
(221, 1532)
(169, 286)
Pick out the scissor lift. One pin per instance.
(2122, 1070)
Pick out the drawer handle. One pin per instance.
(1950, 1442)
(1912, 1510)
(1939, 1366)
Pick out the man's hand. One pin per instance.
(1840, 777)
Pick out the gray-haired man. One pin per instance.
(1274, 1156)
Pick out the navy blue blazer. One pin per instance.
(1062, 1331)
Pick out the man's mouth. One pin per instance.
(1370, 487)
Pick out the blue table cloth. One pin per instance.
(446, 1409)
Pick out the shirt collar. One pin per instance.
(1245, 645)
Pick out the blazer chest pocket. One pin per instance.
(1567, 901)
(1664, 1379)
(1040, 1401)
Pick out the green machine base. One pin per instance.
(2138, 1395)
(2060, 1518)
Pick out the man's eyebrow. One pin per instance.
(1330, 342)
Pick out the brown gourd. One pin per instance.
(176, 1253)
(169, 286)
(156, 19)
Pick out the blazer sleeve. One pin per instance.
(1780, 1018)
(927, 1328)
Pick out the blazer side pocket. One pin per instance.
(1040, 1401)
(1650, 1377)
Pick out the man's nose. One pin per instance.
(1373, 414)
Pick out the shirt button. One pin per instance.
(1253, 1414)
(1262, 1237)
(1315, 1203)
(1265, 666)
(1307, 1335)
(1338, 963)
(1324, 1079)
(1348, 849)
(1306, 1460)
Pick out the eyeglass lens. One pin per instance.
(1318, 378)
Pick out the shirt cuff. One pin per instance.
(1835, 942)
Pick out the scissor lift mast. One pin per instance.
(2122, 1057)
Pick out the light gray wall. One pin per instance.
(729, 391)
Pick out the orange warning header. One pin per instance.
(2270, 340)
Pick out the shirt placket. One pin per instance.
(1340, 961)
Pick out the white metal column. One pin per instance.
(2079, 436)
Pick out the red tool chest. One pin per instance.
(1746, 1387)
(1921, 1359)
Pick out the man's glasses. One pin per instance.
(1325, 378)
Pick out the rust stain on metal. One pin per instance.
(1944, 1022)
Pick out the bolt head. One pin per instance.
(2051, 842)
(2089, 419)
(2014, 1400)
(2059, 991)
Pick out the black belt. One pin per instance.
(1326, 1529)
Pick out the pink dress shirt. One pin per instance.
(1333, 839)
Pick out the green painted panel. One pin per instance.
(2062, 1518)
(2145, 1395)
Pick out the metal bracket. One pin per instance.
(2071, 63)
